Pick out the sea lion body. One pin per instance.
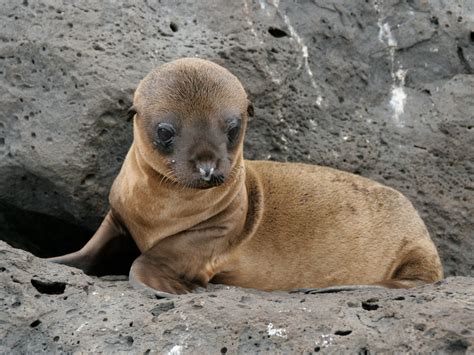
(310, 227)
(321, 227)
(200, 213)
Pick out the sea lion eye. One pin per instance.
(166, 134)
(233, 130)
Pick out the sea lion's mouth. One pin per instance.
(208, 183)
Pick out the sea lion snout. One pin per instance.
(209, 174)
(206, 170)
(206, 161)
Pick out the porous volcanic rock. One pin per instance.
(49, 308)
(378, 88)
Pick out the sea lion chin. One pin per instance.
(199, 213)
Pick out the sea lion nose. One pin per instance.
(206, 170)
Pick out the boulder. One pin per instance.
(49, 308)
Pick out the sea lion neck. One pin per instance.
(161, 208)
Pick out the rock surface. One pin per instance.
(379, 88)
(52, 308)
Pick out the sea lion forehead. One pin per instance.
(190, 84)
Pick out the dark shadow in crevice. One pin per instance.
(46, 236)
(277, 32)
(40, 234)
(49, 287)
(464, 61)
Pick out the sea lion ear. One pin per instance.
(131, 112)
(250, 110)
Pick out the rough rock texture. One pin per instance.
(380, 88)
(52, 308)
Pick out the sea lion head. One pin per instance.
(189, 124)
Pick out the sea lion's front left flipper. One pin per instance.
(110, 251)
(166, 270)
(141, 279)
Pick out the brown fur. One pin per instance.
(269, 226)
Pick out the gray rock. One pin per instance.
(94, 315)
(382, 89)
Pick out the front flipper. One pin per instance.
(140, 280)
(165, 271)
(110, 251)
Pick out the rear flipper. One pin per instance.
(416, 270)
(376, 286)
(419, 266)
(335, 289)
(110, 251)
(400, 283)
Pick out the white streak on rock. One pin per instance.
(319, 100)
(398, 96)
(324, 341)
(279, 332)
(304, 49)
(81, 326)
(249, 20)
(176, 350)
(398, 104)
(385, 34)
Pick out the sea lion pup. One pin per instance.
(200, 213)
